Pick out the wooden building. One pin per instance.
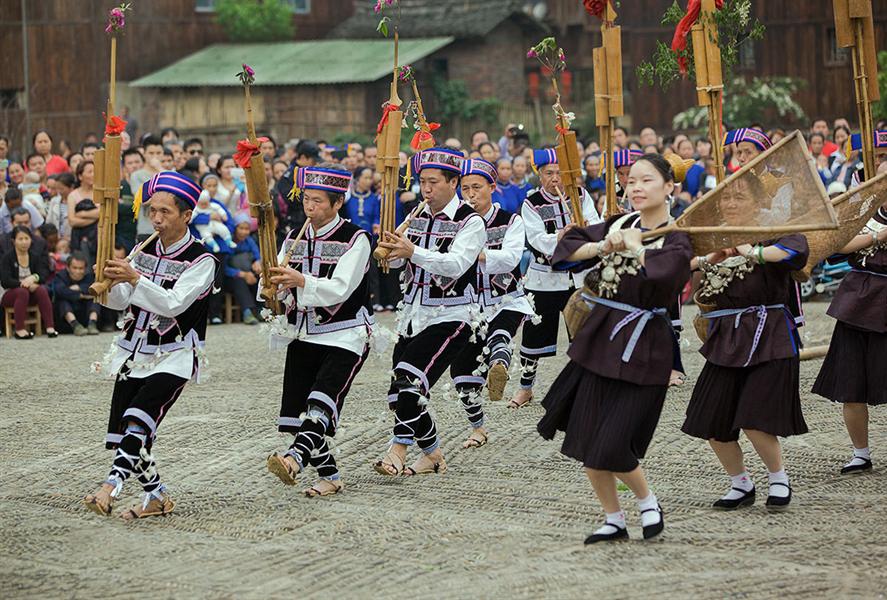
(799, 42)
(54, 55)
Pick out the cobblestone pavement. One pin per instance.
(506, 521)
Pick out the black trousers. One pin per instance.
(319, 376)
(145, 400)
(244, 294)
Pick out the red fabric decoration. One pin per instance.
(679, 41)
(246, 150)
(386, 108)
(115, 125)
(422, 136)
(596, 8)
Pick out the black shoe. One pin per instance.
(778, 502)
(621, 533)
(856, 469)
(27, 336)
(651, 531)
(52, 334)
(747, 499)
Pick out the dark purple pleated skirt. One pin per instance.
(855, 368)
(608, 423)
(762, 397)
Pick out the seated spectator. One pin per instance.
(71, 290)
(242, 269)
(21, 273)
(21, 218)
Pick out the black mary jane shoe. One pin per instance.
(651, 531)
(52, 334)
(857, 469)
(621, 533)
(747, 499)
(777, 503)
(27, 336)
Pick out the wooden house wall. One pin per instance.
(69, 53)
(794, 44)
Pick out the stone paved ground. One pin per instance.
(506, 521)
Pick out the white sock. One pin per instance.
(739, 482)
(779, 491)
(615, 521)
(860, 455)
(651, 505)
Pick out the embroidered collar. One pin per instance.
(326, 228)
(161, 251)
(488, 216)
(449, 210)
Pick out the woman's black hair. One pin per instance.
(67, 179)
(660, 164)
(21, 229)
(38, 132)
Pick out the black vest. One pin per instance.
(186, 330)
(437, 233)
(555, 216)
(318, 257)
(491, 289)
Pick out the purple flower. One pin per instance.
(248, 70)
(116, 20)
(378, 8)
(532, 53)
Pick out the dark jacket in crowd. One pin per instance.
(61, 286)
(39, 263)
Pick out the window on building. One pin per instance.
(746, 58)
(299, 7)
(834, 56)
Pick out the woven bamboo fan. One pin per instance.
(778, 192)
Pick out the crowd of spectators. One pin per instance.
(48, 219)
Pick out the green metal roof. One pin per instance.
(292, 63)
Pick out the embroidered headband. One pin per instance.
(478, 166)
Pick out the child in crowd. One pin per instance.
(207, 227)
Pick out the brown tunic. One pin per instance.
(655, 286)
(729, 345)
(861, 300)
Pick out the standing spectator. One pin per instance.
(16, 173)
(648, 137)
(268, 147)
(88, 150)
(83, 214)
(4, 147)
(620, 137)
(242, 268)
(228, 192)
(71, 290)
(193, 147)
(479, 137)
(133, 160)
(21, 273)
(65, 150)
(168, 134)
(820, 126)
(74, 161)
(30, 189)
(594, 182)
(42, 143)
(153, 155)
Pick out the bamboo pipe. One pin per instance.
(814, 352)
(100, 287)
(863, 105)
(380, 253)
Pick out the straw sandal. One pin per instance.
(151, 507)
(497, 377)
(515, 404)
(477, 439)
(439, 467)
(91, 502)
(319, 490)
(280, 467)
(390, 462)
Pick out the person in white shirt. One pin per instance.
(546, 218)
(504, 305)
(165, 291)
(439, 310)
(326, 329)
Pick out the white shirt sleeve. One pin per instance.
(508, 257)
(171, 303)
(588, 210)
(119, 296)
(536, 234)
(320, 291)
(462, 253)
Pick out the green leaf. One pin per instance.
(383, 26)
